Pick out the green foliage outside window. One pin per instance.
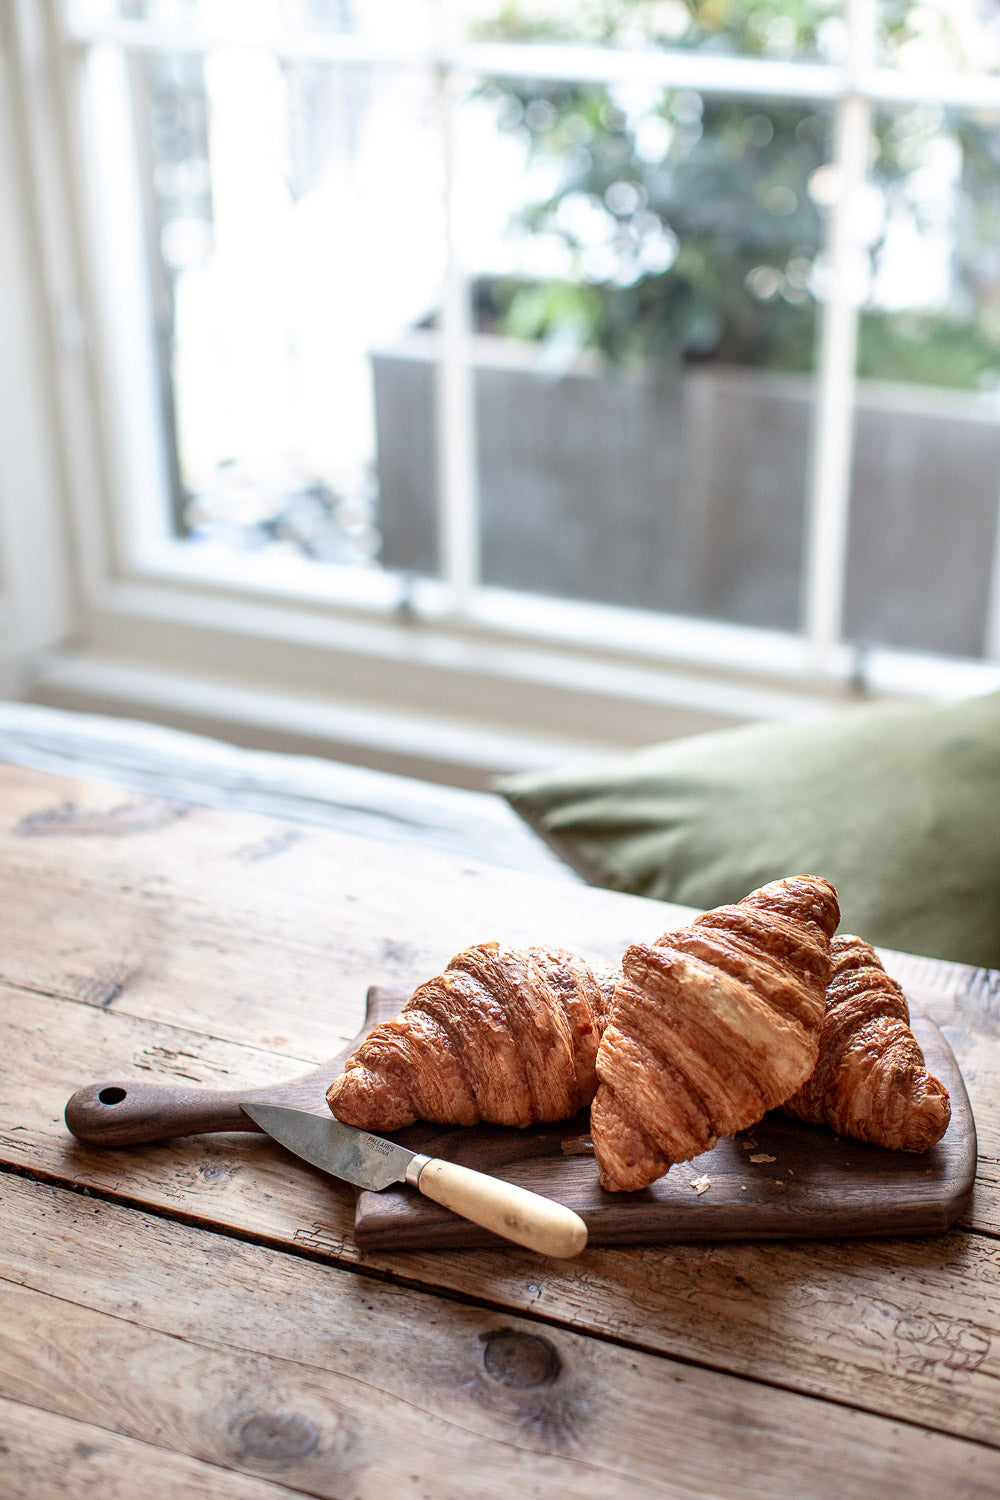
(693, 227)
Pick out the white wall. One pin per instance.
(34, 611)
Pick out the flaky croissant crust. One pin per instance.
(503, 1035)
(749, 1007)
(711, 1027)
(871, 1081)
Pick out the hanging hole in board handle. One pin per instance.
(123, 1113)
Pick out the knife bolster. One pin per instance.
(414, 1167)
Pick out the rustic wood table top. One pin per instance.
(194, 1318)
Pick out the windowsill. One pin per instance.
(515, 688)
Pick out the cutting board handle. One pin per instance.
(126, 1114)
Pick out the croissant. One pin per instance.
(710, 1028)
(504, 1035)
(870, 1081)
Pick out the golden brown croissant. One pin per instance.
(711, 1027)
(504, 1035)
(870, 1081)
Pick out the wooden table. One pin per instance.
(194, 1318)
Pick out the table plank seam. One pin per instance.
(485, 1306)
(251, 1048)
(284, 1362)
(394, 1278)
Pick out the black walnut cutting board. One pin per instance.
(782, 1180)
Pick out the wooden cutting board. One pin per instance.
(782, 1180)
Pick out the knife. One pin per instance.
(371, 1162)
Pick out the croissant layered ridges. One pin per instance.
(711, 1027)
(504, 1035)
(753, 1006)
(871, 1081)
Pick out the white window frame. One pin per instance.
(448, 679)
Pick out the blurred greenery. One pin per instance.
(925, 350)
(693, 227)
(738, 27)
(688, 226)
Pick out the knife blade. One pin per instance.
(370, 1162)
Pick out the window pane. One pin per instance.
(927, 36)
(385, 18)
(643, 265)
(806, 30)
(927, 441)
(296, 222)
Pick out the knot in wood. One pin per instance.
(278, 1437)
(518, 1359)
(215, 1171)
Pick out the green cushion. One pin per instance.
(899, 806)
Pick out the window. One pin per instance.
(459, 352)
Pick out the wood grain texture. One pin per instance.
(913, 1323)
(176, 920)
(171, 952)
(45, 1455)
(334, 1384)
(213, 922)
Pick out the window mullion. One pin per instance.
(458, 509)
(828, 510)
(991, 633)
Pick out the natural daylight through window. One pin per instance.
(629, 321)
